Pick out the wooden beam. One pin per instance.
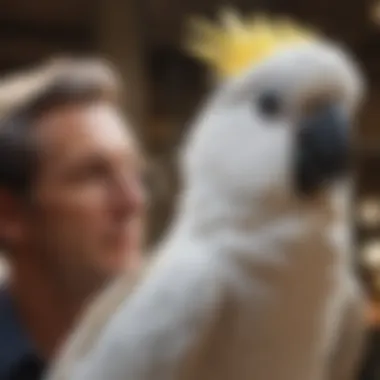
(119, 38)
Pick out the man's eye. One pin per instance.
(91, 172)
(97, 171)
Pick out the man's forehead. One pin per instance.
(72, 129)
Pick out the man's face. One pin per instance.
(88, 196)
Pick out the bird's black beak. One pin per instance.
(322, 149)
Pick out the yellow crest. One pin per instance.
(236, 43)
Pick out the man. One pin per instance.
(71, 202)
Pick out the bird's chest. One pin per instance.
(277, 313)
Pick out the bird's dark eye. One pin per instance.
(269, 104)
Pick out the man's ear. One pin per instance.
(10, 218)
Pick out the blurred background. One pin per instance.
(163, 87)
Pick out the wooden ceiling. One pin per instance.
(33, 29)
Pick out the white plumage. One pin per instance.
(251, 281)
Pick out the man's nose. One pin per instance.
(128, 197)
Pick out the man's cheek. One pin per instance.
(83, 211)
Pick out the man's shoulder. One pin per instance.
(16, 350)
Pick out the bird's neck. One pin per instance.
(205, 215)
(220, 222)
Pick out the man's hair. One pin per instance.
(24, 97)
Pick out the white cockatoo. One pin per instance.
(254, 280)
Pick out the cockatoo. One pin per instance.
(254, 279)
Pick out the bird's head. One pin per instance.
(280, 119)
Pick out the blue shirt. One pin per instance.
(18, 358)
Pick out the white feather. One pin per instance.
(249, 283)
